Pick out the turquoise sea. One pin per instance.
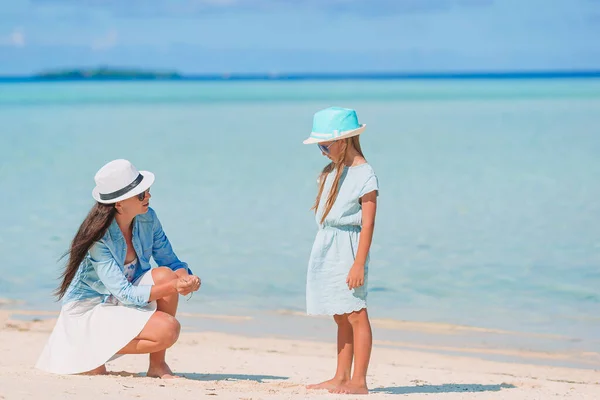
(489, 209)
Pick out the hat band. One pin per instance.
(332, 135)
(121, 192)
(336, 133)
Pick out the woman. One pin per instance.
(113, 303)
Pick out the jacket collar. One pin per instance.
(114, 234)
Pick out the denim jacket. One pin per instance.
(100, 274)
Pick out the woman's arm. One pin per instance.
(162, 251)
(114, 280)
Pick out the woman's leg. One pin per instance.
(101, 370)
(160, 332)
(158, 367)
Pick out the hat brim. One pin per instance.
(344, 135)
(144, 185)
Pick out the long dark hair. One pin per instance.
(92, 229)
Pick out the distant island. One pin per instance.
(105, 73)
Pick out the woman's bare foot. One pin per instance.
(101, 370)
(328, 385)
(161, 371)
(351, 388)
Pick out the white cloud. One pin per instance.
(107, 41)
(15, 39)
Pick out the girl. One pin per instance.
(112, 302)
(338, 268)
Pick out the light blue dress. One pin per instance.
(336, 244)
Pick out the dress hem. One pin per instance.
(348, 311)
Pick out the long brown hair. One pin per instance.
(338, 166)
(92, 229)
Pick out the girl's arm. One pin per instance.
(356, 276)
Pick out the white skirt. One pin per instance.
(89, 333)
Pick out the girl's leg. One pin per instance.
(344, 355)
(363, 341)
(158, 367)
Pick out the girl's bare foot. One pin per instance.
(101, 370)
(351, 388)
(161, 371)
(328, 385)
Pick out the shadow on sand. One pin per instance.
(207, 377)
(445, 388)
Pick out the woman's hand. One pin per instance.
(187, 284)
(356, 276)
(181, 272)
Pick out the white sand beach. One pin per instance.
(230, 366)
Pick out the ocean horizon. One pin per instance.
(306, 76)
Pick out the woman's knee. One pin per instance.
(169, 329)
(163, 274)
(174, 332)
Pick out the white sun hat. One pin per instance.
(119, 180)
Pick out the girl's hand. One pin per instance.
(188, 284)
(356, 276)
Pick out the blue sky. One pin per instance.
(221, 36)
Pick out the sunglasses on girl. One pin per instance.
(325, 149)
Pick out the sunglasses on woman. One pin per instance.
(142, 195)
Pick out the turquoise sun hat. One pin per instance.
(334, 123)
